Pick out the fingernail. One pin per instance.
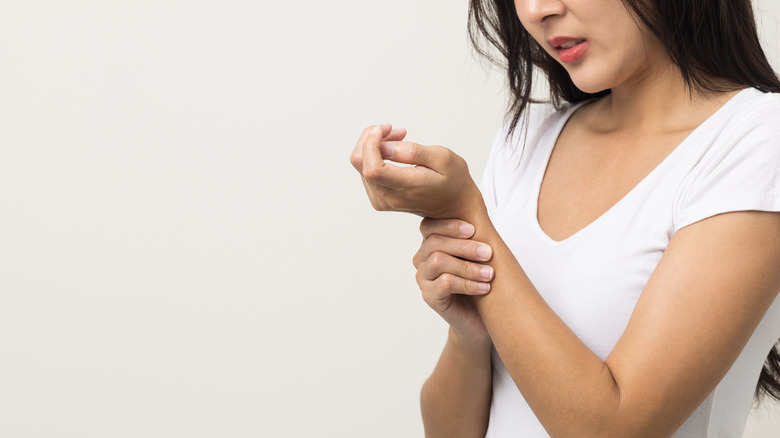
(486, 273)
(483, 286)
(387, 149)
(466, 229)
(376, 130)
(484, 251)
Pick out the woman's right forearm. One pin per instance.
(455, 400)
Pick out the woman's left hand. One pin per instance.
(451, 267)
(438, 185)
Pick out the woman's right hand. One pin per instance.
(448, 272)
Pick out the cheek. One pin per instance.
(609, 67)
(634, 55)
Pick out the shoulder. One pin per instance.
(734, 161)
(753, 109)
(756, 97)
(749, 125)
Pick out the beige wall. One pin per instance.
(185, 250)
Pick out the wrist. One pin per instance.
(474, 208)
(469, 343)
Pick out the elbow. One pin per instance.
(622, 421)
(616, 429)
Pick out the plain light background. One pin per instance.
(185, 250)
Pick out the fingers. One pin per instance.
(450, 236)
(460, 248)
(383, 142)
(443, 274)
(375, 170)
(388, 134)
(407, 152)
(357, 154)
(396, 134)
(438, 294)
(373, 163)
(440, 263)
(446, 227)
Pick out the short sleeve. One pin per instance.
(740, 170)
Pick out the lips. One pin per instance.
(569, 49)
(570, 44)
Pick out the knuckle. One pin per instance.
(471, 270)
(427, 290)
(436, 261)
(356, 159)
(418, 277)
(370, 173)
(471, 248)
(457, 158)
(446, 282)
(435, 242)
(446, 154)
(414, 151)
(468, 286)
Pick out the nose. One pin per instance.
(537, 11)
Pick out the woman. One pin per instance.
(617, 274)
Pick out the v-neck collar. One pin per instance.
(549, 146)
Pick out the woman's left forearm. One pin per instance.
(570, 389)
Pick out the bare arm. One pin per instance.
(710, 290)
(455, 400)
(713, 285)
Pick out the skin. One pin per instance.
(714, 283)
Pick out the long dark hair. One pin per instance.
(713, 43)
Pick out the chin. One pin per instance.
(590, 83)
(591, 87)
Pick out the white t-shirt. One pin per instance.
(592, 280)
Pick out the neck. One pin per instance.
(658, 101)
